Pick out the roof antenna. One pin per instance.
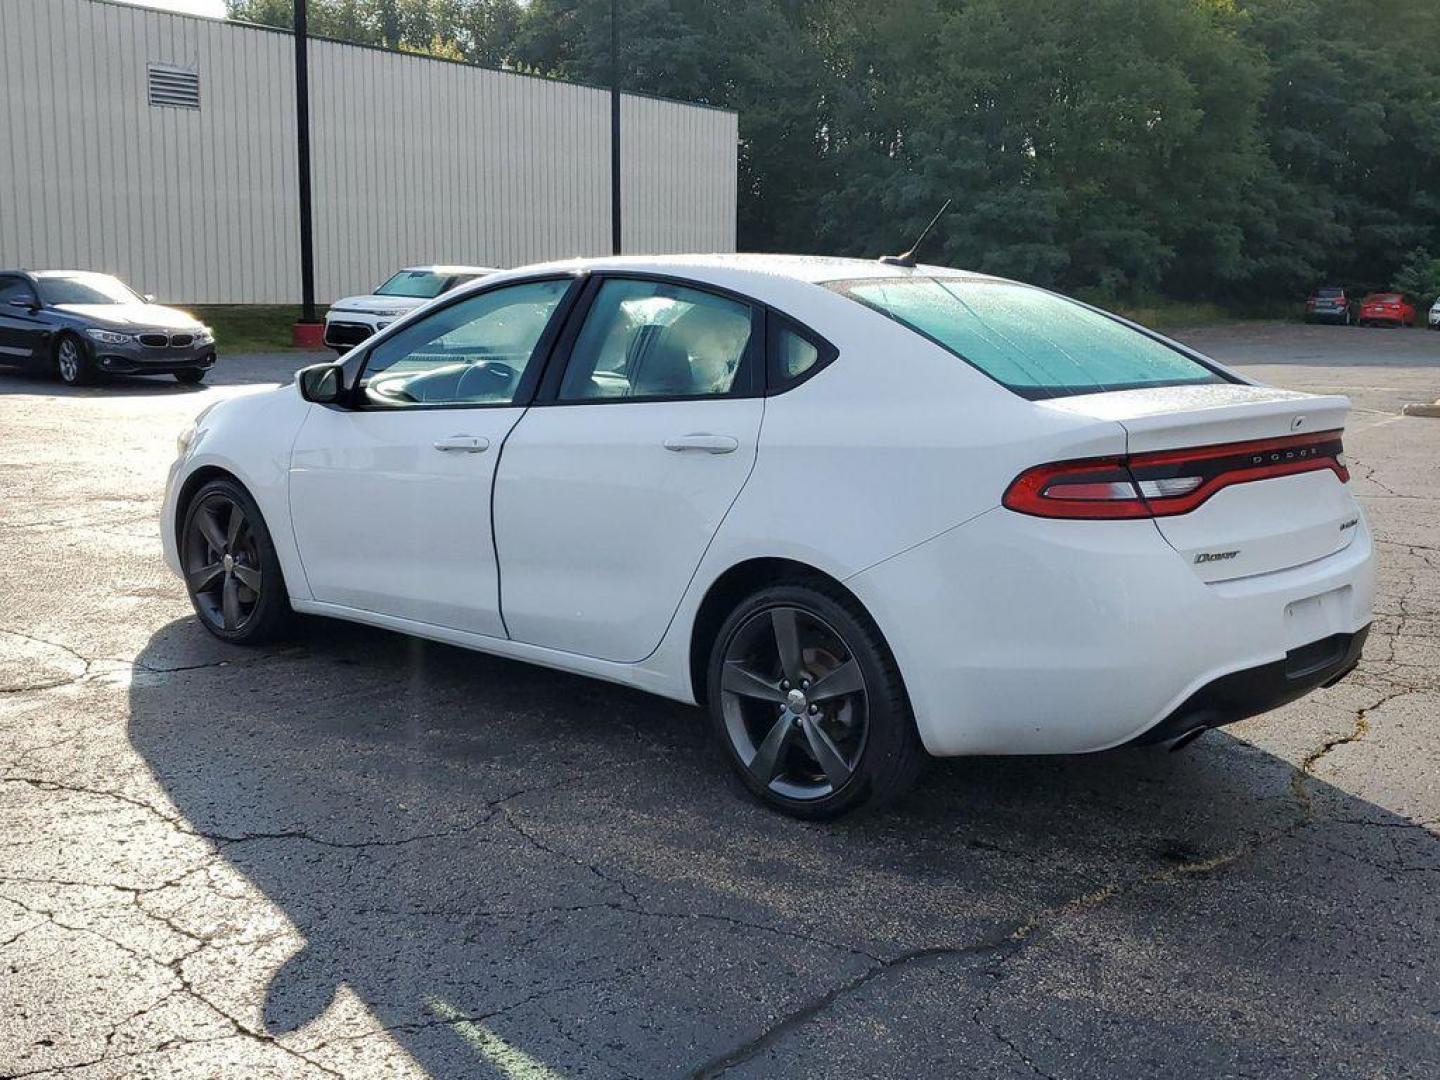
(908, 259)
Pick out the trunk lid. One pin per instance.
(1247, 526)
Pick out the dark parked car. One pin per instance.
(76, 324)
(1328, 303)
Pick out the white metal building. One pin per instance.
(161, 148)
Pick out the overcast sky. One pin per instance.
(194, 7)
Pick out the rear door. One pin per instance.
(613, 485)
(1258, 461)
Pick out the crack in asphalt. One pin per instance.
(88, 663)
(809, 1010)
(1299, 785)
(1028, 932)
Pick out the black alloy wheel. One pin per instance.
(231, 571)
(809, 704)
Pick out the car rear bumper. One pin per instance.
(1021, 635)
(1259, 689)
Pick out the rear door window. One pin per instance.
(654, 339)
(1032, 342)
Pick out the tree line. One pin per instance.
(1239, 151)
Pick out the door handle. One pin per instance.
(469, 444)
(710, 444)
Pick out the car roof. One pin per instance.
(64, 273)
(446, 270)
(815, 269)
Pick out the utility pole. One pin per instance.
(614, 126)
(302, 148)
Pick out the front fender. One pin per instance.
(250, 438)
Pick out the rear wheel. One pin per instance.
(190, 375)
(231, 570)
(72, 363)
(809, 705)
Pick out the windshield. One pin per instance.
(85, 289)
(1329, 293)
(422, 284)
(1030, 341)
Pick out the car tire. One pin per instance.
(856, 747)
(190, 376)
(72, 361)
(231, 571)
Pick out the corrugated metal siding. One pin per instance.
(413, 160)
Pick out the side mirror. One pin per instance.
(320, 383)
(149, 298)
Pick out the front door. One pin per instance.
(22, 328)
(390, 498)
(615, 482)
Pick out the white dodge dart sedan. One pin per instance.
(860, 512)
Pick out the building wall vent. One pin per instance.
(174, 87)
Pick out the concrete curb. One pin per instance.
(1433, 409)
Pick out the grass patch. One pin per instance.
(1163, 312)
(241, 328)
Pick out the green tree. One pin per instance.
(1204, 148)
(1419, 275)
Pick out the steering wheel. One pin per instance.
(485, 379)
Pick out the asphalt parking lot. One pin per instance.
(362, 855)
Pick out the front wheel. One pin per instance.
(232, 573)
(72, 364)
(809, 705)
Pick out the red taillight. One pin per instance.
(1167, 482)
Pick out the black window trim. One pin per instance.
(752, 364)
(354, 365)
(843, 286)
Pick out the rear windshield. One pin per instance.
(1032, 342)
(1329, 291)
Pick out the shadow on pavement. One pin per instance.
(488, 854)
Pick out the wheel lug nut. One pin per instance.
(814, 709)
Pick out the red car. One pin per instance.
(1387, 307)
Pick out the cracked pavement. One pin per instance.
(361, 855)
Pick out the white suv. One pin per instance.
(1435, 314)
(354, 318)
